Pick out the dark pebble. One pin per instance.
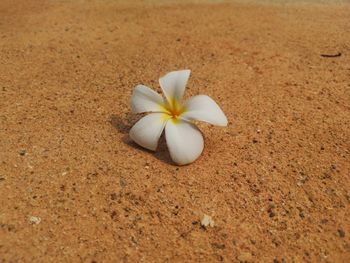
(113, 196)
(114, 215)
(301, 212)
(218, 246)
(341, 233)
(326, 176)
(122, 182)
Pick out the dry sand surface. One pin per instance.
(74, 188)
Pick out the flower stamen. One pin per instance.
(174, 109)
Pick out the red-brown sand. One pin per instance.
(276, 181)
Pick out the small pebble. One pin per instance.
(245, 257)
(326, 176)
(22, 152)
(114, 196)
(34, 220)
(122, 182)
(207, 221)
(341, 233)
(218, 246)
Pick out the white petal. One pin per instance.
(174, 83)
(184, 140)
(146, 132)
(144, 99)
(204, 108)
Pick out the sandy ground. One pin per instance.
(276, 181)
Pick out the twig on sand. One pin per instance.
(331, 55)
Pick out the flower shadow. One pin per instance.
(124, 123)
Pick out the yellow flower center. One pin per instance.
(172, 110)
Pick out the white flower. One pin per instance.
(184, 140)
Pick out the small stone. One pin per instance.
(114, 215)
(245, 257)
(326, 176)
(22, 152)
(147, 165)
(341, 233)
(114, 196)
(34, 220)
(301, 214)
(122, 182)
(207, 221)
(218, 246)
(302, 179)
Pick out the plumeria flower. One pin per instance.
(184, 140)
